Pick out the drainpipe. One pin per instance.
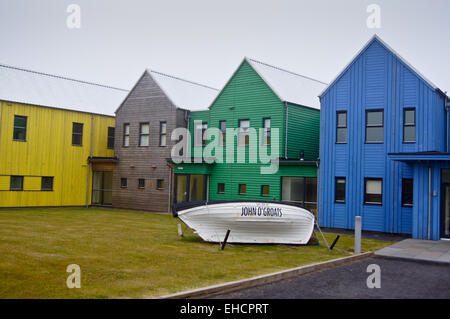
(429, 200)
(170, 189)
(89, 162)
(447, 105)
(286, 130)
(394, 148)
(317, 187)
(207, 188)
(187, 117)
(1, 114)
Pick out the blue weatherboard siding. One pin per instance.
(377, 79)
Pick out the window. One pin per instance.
(374, 126)
(301, 190)
(339, 195)
(77, 134)
(221, 188)
(141, 183)
(111, 137)
(242, 189)
(144, 133)
(126, 134)
(16, 183)
(123, 183)
(20, 128)
(407, 192)
(373, 191)
(265, 190)
(159, 184)
(244, 132)
(341, 127)
(223, 132)
(162, 133)
(200, 133)
(47, 183)
(266, 131)
(409, 125)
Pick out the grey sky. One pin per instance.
(204, 40)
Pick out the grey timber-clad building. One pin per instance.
(157, 104)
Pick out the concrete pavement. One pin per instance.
(418, 250)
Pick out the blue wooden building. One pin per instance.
(384, 148)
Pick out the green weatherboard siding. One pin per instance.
(303, 132)
(247, 96)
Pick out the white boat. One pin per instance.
(253, 222)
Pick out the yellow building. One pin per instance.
(56, 149)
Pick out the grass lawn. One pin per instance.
(126, 254)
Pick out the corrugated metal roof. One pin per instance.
(37, 88)
(290, 86)
(183, 93)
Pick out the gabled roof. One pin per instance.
(37, 88)
(289, 86)
(185, 94)
(384, 44)
(182, 93)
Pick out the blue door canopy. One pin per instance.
(420, 156)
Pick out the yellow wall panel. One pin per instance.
(32, 183)
(48, 151)
(4, 183)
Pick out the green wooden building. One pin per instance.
(283, 107)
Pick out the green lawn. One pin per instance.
(127, 254)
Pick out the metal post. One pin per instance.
(358, 224)
(225, 240)
(180, 231)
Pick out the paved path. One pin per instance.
(415, 249)
(399, 279)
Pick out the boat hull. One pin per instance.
(250, 222)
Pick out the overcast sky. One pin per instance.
(205, 40)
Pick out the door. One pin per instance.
(189, 188)
(197, 187)
(445, 211)
(301, 190)
(181, 188)
(102, 188)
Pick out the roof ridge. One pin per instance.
(61, 77)
(287, 71)
(184, 80)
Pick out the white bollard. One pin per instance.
(358, 226)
